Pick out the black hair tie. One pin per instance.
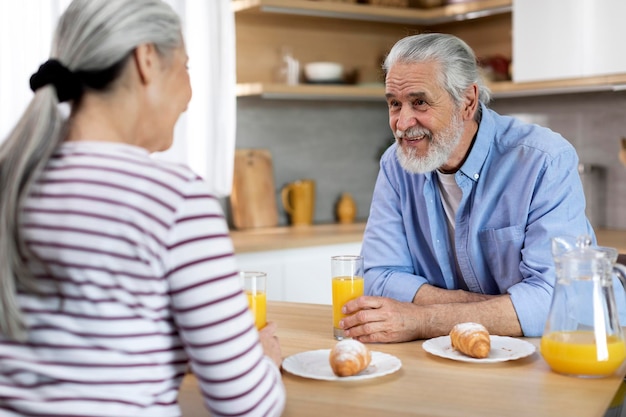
(68, 86)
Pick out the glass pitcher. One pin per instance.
(583, 336)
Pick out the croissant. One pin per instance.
(349, 357)
(471, 339)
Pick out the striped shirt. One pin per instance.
(136, 281)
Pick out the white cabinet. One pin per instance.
(555, 39)
(297, 275)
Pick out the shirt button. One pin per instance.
(476, 176)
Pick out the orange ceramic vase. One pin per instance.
(346, 209)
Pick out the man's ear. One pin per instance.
(145, 57)
(470, 102)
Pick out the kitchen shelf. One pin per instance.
(616, 82)
(503, 89)
(311, 92)
(454, 14)
(352, 11)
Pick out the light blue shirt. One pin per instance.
(520, 187)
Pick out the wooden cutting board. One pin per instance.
(253, 198)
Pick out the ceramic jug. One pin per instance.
(346, 208)
(582, 336)
(299, 201)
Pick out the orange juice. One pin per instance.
(258, 305)
(344, 290)
(575, 353)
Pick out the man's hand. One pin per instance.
(380, 319)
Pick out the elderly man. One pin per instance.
(464, 207)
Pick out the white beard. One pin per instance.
(439, 151)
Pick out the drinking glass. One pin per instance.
(254, 285)
(347, 284)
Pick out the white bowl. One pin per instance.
(323, 71)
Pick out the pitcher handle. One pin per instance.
(620, 271)
(285, 197)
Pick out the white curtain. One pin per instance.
(26, 29)
(204, 136)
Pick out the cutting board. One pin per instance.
(253, 198)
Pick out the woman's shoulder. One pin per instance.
(122, 158)
(127, 167)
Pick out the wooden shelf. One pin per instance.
(616, 82)
(311, 92)
(506, 89)
(352, 11)
(255, 77)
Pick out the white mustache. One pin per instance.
(413, 132)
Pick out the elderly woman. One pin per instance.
(117, 270)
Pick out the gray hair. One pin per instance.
(93, 38)
(459, 68)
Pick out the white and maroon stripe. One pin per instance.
(137, 274)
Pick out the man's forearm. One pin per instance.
(428, 294)
(497, 314)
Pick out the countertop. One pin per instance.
(612, 238)
(277, 238)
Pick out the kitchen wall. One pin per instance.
(338, 143)
(594, 123)
(335, 143)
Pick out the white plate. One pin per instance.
(314, 364)
(503, 348)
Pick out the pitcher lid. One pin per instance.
(581, 249)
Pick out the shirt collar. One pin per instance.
(478, 154)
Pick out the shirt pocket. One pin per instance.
(502, 253)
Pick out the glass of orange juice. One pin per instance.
(348, 284)
(254, 285)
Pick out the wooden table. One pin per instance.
(426, 385)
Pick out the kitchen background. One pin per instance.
(337, 143)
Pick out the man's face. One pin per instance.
(425, 121)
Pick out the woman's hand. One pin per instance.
(271, 345)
